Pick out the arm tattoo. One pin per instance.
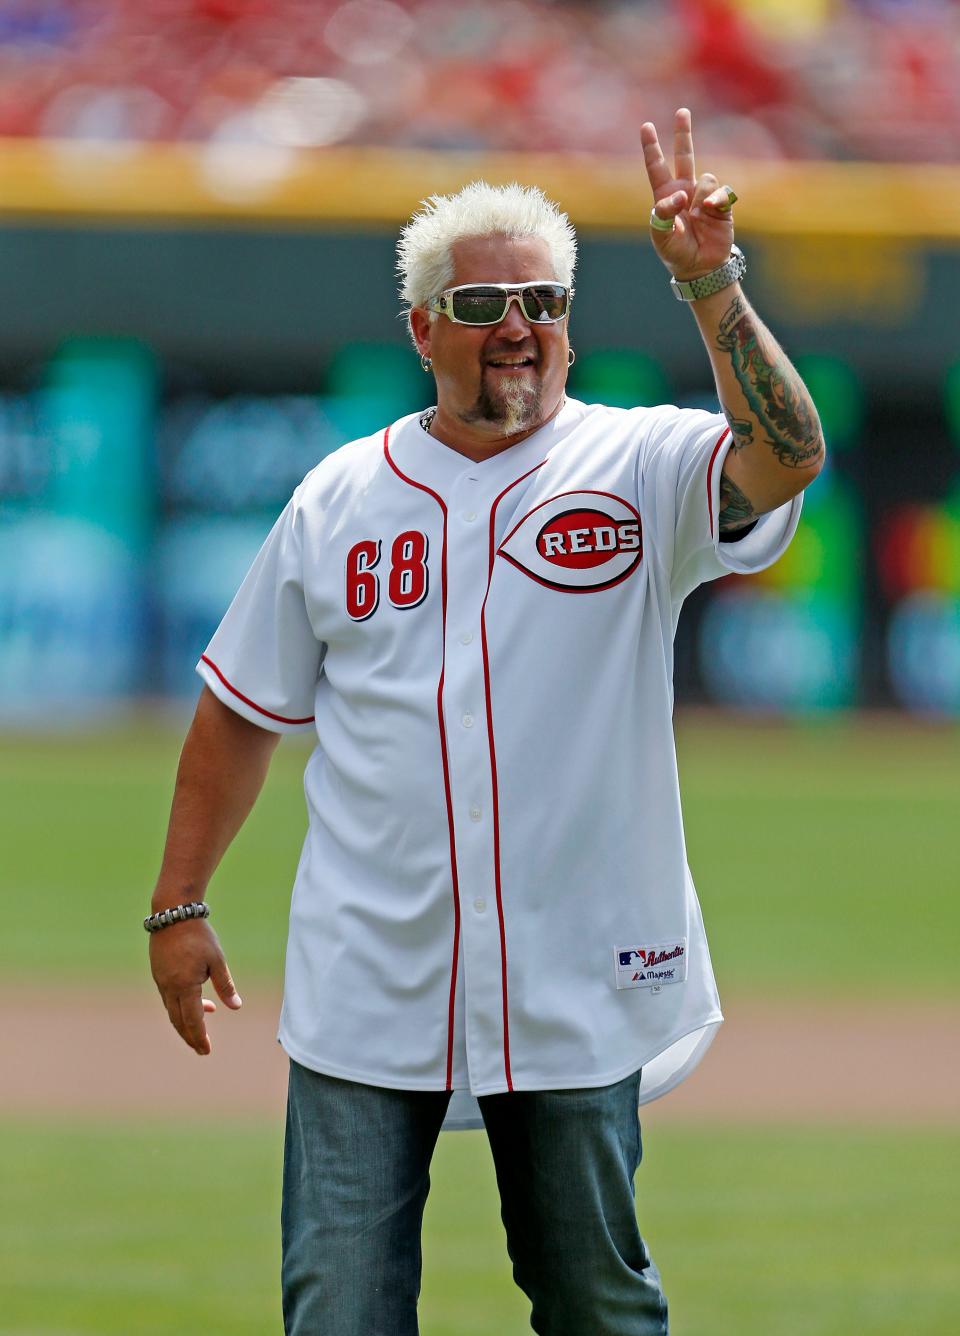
(771, 387)
(736, 509)
(741, 428)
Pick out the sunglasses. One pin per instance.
(542, 303)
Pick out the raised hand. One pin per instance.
(700, 209)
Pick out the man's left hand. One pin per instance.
(700, 208)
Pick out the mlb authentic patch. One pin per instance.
(651, 966)
(578, 542)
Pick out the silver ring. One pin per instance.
(660, 224)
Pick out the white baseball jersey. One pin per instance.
(493, 892)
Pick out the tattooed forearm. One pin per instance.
(736, 508)
(772, 389)
(741, 428)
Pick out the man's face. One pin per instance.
(497, 380)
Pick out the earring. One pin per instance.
(426, 363)
(571, 357)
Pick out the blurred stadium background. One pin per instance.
(199, 201)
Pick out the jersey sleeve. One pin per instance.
(681, 463)
(264, 659)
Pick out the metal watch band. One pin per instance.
(693, 289)
(176, 914)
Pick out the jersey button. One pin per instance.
(479, 904)
(467, 721)
(475, 814)
(469, 516)
(466, 637)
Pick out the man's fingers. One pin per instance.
(176, 1020)
(712, 200)
(189, 1032)
(186, 1010)
(175, 1012)
(194, 1031)
(684, 165)
(665, 220)
(705, 187)
(222, 981)
(181, 964)
(658, 173)
(671, 205)
(721, 201)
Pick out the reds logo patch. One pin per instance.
(578, 542)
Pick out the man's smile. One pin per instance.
(516, 361)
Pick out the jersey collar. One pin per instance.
(430, 463)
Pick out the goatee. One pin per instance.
(516, 407)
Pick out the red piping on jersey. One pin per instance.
(493, 775)
(713, 459)
(443, 751)
(280, 718)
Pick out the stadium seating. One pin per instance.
(848, 79)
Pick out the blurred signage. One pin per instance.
(923, 649)
(227, 467)
(787, 638)
(198, 566)
(25, 453)
(240, 454)
(918, 562)
(72, 619)
(75, 518)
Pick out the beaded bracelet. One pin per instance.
(197, 909)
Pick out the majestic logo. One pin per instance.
(578, 542)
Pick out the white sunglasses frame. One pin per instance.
(442, 303)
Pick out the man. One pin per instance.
(475, 610)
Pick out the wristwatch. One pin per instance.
(693, 289)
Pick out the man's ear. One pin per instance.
(421, 327)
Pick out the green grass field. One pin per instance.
(122, 1230)
(826, 862)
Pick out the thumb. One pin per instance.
(222, 981)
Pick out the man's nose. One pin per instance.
(514, 323)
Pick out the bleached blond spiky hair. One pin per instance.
(424, 259)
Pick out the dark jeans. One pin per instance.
(355, 1181)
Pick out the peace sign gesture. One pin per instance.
(700, 210)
